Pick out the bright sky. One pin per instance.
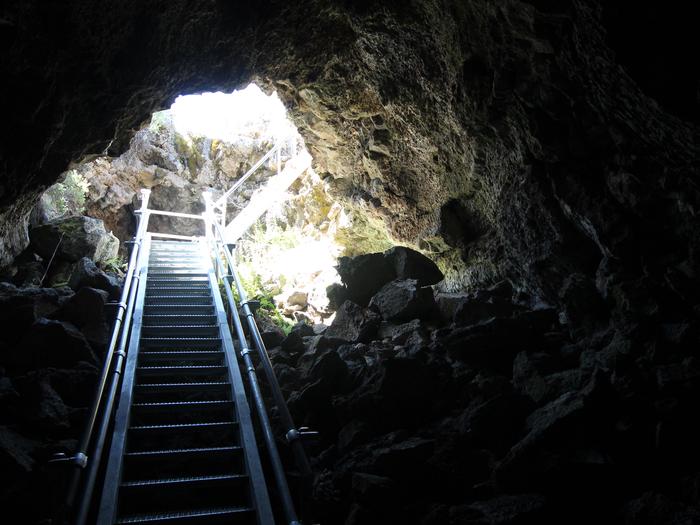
(229, 117)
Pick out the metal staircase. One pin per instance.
(170, 437)
(183, 449)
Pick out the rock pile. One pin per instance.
(487, 408)
(52, 341)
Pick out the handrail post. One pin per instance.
(81, 459)
(279, 157)
(209, 222)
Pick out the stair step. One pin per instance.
(180, 309)
(174, 330)
(210, 343)
(179, 291)
(184, 435)
(154, 289)
(179, 319)
(181, 281)
(182, 391)
(185, 370)
(183, 462)
(184, 480)
(183, 493)
(182, 405)
(178, 299)
(182, 358)
(220, 515)
(201, 385)
(176, 273)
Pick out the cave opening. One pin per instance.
(288, 228)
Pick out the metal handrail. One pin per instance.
(221, 201)
(292, 434)
(87, 464)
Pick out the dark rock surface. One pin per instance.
(364, 275)
(51, 343)
(87, 274)
(74, 238)
(500, 412)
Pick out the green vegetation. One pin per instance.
(116, 264)
(66, 198)
(256, 290)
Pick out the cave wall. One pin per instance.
(506, 138)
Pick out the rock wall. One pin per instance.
(505, 138)
(542, 142)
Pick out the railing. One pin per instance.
(293, 435)
(87, 458)
(220, 205)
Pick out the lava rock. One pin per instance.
(17, 455)
(373, 489)
(86, 311)
(86, 273)
(401, 300)
(74, 238)
(492, 302)
(337, 294)
(352, 434)
(398, 334)
(353, 324)
(410, 264)
(511, 509)
(21, 307)
(51, 343)
(364, 275)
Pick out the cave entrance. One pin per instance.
(280, 213)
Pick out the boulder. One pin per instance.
(352, 434)
(364, 275)
(86, 273)
(399, 334)
(337, 294)
(74, 238)
(51, 343)
(402, 300)
(298, 298)
(21, 307)
(511, 509)
(410, 264)
(86, 311)
(353, 324)
(16, 456)
(493, 302)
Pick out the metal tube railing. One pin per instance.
(107, 384)
(216, 240)
(176, 214)
(222, 200)
(292, 434)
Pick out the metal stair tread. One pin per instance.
(183, 480)
(159, 326)
(199, 384)
(202, 424)
(206, 513)
(184, 451)
(182, 367)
